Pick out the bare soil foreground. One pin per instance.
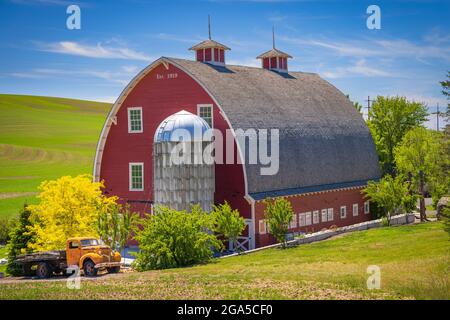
(414, 263)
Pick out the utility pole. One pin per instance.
(438, 114)
(368, 106)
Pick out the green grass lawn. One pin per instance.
(414, 262)
(44, 138)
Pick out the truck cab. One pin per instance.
(91, 254)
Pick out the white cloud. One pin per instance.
(93, 51)
(360, 68)
(122, 77)
(398, 48)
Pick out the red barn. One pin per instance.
(326, 152)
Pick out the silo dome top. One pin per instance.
(182, 126)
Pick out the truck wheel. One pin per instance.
(113, 269)
(89, 269)
(26, 269)
(43, 270)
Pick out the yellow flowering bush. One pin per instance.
(69, 207)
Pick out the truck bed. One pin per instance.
(50, 256)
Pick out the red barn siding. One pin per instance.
(208, 54)
(160, 98)
(200, 56)
(302, 204)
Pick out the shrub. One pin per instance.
(6, 226)
(171, 239)
(279, 215)
(116, 225)
(21, 238)
(228, 223)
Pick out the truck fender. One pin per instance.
(92, 256)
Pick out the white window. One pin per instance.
(135, 120)
(330, 214)
(308, 218)
(343, 212)
(324, 215)
(302, 218)
(262, 227)
(294, 221)
(355, 209)
(205, 111)
(136, 176)
(316, 217)
(366, 207)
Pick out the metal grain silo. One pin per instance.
(182, 175)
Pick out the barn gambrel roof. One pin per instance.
(324, 140)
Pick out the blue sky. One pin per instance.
(408, 56)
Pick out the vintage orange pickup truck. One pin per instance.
(88, 254)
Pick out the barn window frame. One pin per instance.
(316, 217)
(302, 219)
(343, 212)
(355, 209)
(210, 122)
(308, 218)
(324, 215)
(130, 120)
(366, 207)
(330, 214)
(293, 223)
(131, 182)
(262, 226)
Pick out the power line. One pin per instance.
(438, 114)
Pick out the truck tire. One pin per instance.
(26, 270)
(43, 270)
(89, 269)
(113, 269)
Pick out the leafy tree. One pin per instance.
(20, 239)
(69, 207)
(391, 194)
(278, 214)
(418, 155)
(171, 239)
(446, 92)
(115, 226)
(390, 118)
(228, 223)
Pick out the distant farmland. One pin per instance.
(43, 138)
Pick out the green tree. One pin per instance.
(20, 238)
(278, 215)
(392, 195)
(390, 118)
(418, 156)
(171, 239)
(228, 223)
(116, 225)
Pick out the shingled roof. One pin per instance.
(323, 138)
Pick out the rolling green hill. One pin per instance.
(43, 138)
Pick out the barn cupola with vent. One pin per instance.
(210, 51)
(274, 59)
